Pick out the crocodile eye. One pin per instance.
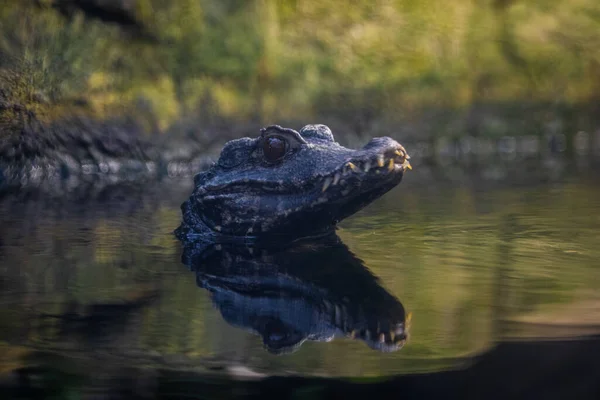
(274, 148)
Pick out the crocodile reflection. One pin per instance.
(314, 290)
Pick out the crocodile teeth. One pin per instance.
(336, 178)
(326, 184)
(402, 153)
(380, 161)
(367, 166)
(390, 166)
(352, 166)
(406, 165)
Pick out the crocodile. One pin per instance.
(313, 289)
(286, 183)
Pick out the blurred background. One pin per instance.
(460, 77)
(115, 104)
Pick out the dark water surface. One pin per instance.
(99, 285)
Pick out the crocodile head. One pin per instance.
(287, 182)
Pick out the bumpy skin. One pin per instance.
(314, 289)
(315, 185)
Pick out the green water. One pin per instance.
(473, 265)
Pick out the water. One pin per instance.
(98, 286)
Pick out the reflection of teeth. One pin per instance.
(338, 315)
(392, 335)
(367, 166)
(326, 184)
(352, 166)
(381, 338)
(353, 334)
(380, 161)
(336, 178)
(390, 165)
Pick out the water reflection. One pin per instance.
(97, 325)
(103, 280)
(312, 290)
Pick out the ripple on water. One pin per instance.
(473, 265)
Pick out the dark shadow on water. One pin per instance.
(311, 290)
(97, 324)
(568, 369)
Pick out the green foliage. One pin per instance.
(57, 56)
(359, 62)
